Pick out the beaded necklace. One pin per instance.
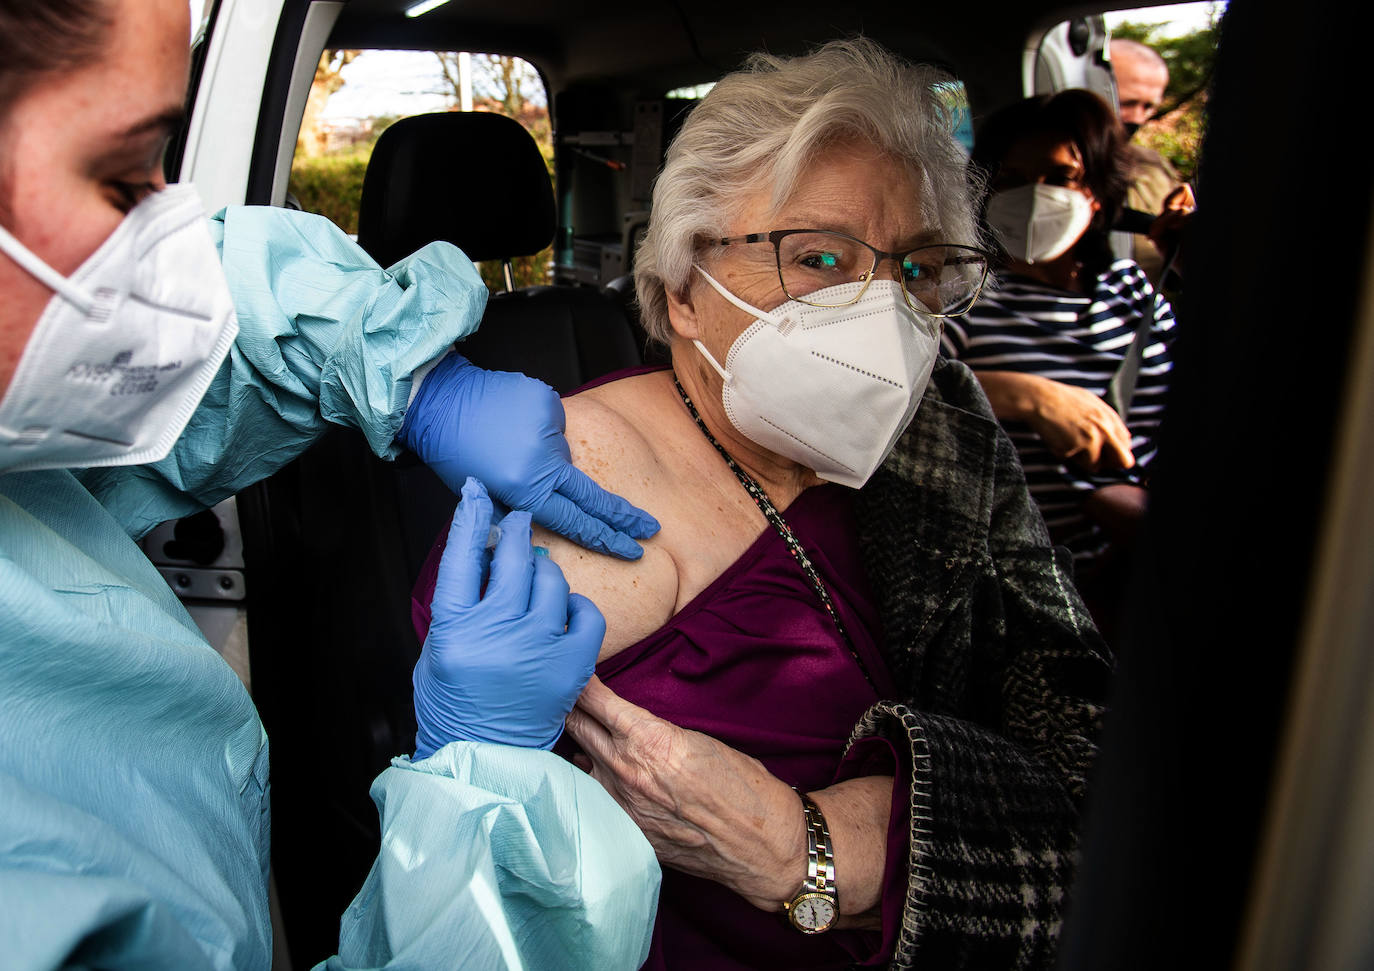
(789, 539)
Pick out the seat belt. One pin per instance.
(1121, 389)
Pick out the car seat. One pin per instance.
(335, 540)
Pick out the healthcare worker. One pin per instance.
(133, 767)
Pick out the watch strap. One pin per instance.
(820, 861)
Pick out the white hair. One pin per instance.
(761, 126)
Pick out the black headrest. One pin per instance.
(475, 179)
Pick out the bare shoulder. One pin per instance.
(608, 432)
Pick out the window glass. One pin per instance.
(1185, 35)
(356, 94)
(202, 23)
(692, 92)
(955, 99)
(200, 18)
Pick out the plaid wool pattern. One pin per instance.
(1004, 676)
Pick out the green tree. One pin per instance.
(509, 82)
(328, 79)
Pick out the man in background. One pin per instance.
(1141, 77)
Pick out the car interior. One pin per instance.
(1231, 819)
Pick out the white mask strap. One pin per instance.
(43, 273)
(760, 314)
(724, 374)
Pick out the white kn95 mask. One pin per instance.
(831, 388)
(126, 347)
(1039, 222)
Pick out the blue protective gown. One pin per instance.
(133, 768)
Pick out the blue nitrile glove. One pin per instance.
(506, 665)
(507, 430)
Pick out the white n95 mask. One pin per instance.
(1039, 222)
(831, 388)
(127, 346)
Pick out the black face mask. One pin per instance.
(1131, 129)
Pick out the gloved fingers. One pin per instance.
(464, 558)
(512, 566)
(549, 595)
(583, 492)
(576, 657)
(586, 629)
(561, 516)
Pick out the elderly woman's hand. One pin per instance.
(716, 813)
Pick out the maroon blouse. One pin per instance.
(756, 662)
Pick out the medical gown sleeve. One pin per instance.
(325, 336)
(496, 857)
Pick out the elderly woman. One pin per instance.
(849, 693)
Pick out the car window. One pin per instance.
(357, 94)
(1185, 36)
(202, 23)
(955, 97)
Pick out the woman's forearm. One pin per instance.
(1073, 422)
(717, 813)
(857, 812)
(1014, 396)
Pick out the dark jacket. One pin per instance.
(1003, 676)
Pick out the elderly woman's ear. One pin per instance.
(682, 314)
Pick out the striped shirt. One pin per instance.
(1027, 326)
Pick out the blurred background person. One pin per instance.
(1141, 77)
(1073, 345)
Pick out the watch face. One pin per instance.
(813, 912)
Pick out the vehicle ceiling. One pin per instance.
(647, 47)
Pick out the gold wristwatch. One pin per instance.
(816, 906)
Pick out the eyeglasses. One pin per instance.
(940, 279)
